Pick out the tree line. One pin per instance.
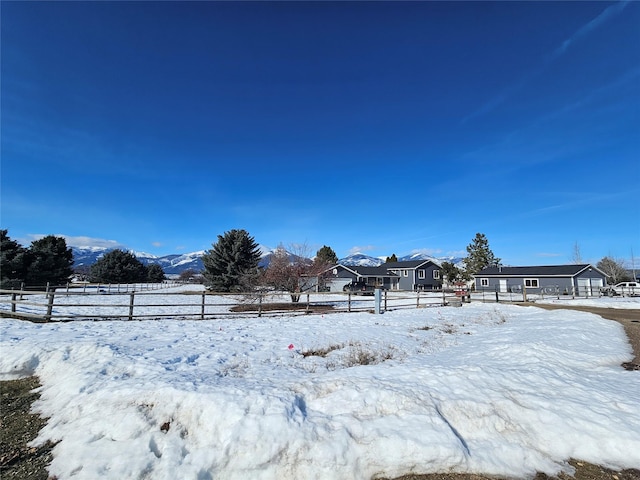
(48, 260)
(231, 265)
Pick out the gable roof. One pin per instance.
(409, 265)
(536, 271)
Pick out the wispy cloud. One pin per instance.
(607, 14)
(156, 244)
(80, 242)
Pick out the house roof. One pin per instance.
(536, 271)
(411, 264)
(380, 271)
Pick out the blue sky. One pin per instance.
(381, 127)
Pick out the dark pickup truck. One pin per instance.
(359, 288)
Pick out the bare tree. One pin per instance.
(576, 257)
(291, 270)
(614, 270)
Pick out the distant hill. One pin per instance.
(175, 264)
(362, 260)
(171, 264)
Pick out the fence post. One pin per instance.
(47, 317)
(524, 293)
(259, 304)
(202, 312)
(46, 290)
(349, 303)
(385, 300)
(131, 295)
(13, 302)
(418, 300)
(378, 296)
(21, 289)
(307, 303)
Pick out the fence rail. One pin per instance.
(129, 303)
(519, 293)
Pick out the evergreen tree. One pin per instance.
(450, 272)
(13, 262)
(232, 263)
(155, 274)
(118, 266)
(392, 258)
(49, 261)
(479, 255)
(326, 257)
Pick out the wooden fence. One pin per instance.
(127, 303)
(519, 293)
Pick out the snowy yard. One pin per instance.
(489, 388)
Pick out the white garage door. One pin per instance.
(584, 287)
(336, 284)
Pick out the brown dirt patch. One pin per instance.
(18, 427)
(285, 307)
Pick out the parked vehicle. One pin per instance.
(628, 289)
(359, 288)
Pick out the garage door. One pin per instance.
(336, 284)
(584, 287)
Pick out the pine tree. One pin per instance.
(232, 263)
(479, 255)
(326, 257)
(450, 272)
(392, 258)
(155, 274)
(13, 262)
(49, 261)
(118, 266)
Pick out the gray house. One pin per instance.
(335, 278)
(416, 274)
(582, 280)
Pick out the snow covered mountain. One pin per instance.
(84, 257)
(361, 260)
(175, 264)
(425, 256)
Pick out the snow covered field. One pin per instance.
(488, 388)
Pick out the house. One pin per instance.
(416, 274)
(335, 278)
(412, 275)
(581, 279)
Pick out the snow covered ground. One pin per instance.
(490, 388)
(602, 302)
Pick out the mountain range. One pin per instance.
(84, 257)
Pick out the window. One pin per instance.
(484, 282)
(420, 273)
(531, 282)
(436, 274)
(405, 273)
